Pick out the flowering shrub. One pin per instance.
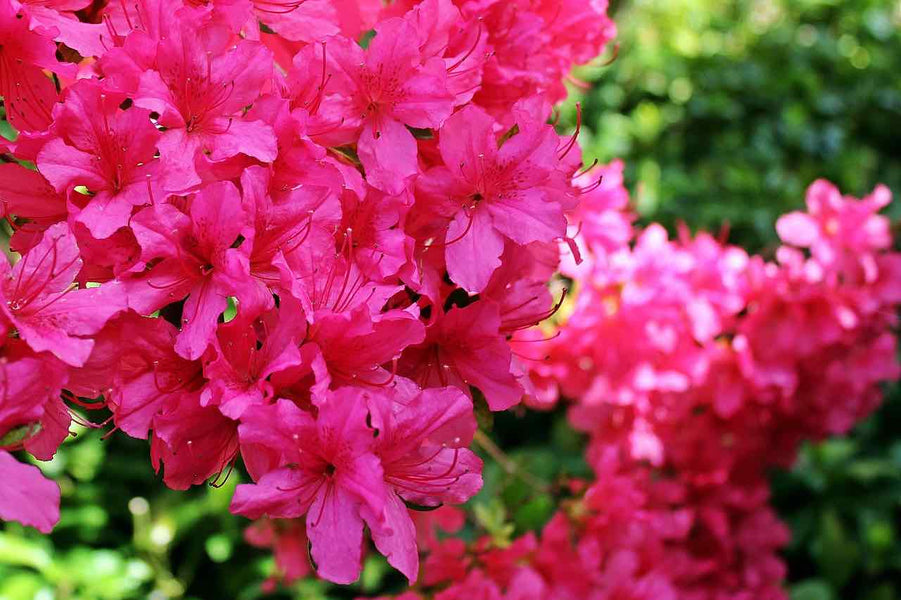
(698, 368)
(695, 369)
(296, 232)
(308, 236)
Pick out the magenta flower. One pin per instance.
(840, 230)
(31, 203)
(385, 89)
(21, 400)
(422, 447)
(135, 367)
(193, 255)
(288, 540)
(59, 16)
(294, 231)
(25, 50)
(354, 345)
(246, 355)
(191, 442)
(304, 20)
(462, 348)
(39, 299)
(101, 147)
(325, 469)
(200, 88)
(492, 194)
(30, 385)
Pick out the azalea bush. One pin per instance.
(324, 258)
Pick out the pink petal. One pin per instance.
(426, 103)
(439, 416)
(26, 496)
(275, 426)
(58, 251)
(395, 538)
(465, 137)
(528, 217)
(178, 149)
(277, 494)
(253, 138)
(388, 153)
(798, 229)
(84, 37)
(335, 529)
(218, 215)
(201, 311)
(310, 22)
(40, 338)
(106, 212)
(473, 255)
(65, 167)
(54, 430)
(137, 402)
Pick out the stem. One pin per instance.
(509, 465)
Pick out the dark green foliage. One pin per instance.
(726, 111)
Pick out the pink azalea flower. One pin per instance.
(306, 20)
(447, 561)
(354, 346)
(462, 348)
(30, 385)
(135, 367)
(330, 283)
(191, 442)
(290, 235)
(387, 88)
(422, 447)
(603, 217)
(41, 302)
(840, 230)
(108, 150)
(25, 50)
(108, 258)
(534, 47)
(331, 476)
(380, 246)
(476, 585)
(60, 15)
(193, 255)
(246, 354)
(492, 194)
(30, 202)
(200, 87)
(288, 540)
(442, 31)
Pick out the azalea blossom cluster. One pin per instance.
(695, 369)
(300, 233)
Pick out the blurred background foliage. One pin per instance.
(723, 112)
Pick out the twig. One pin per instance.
(508, 464)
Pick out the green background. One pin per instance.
(724, 112)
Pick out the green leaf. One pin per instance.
(534, 514)
(812, 589)
(836, 553)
